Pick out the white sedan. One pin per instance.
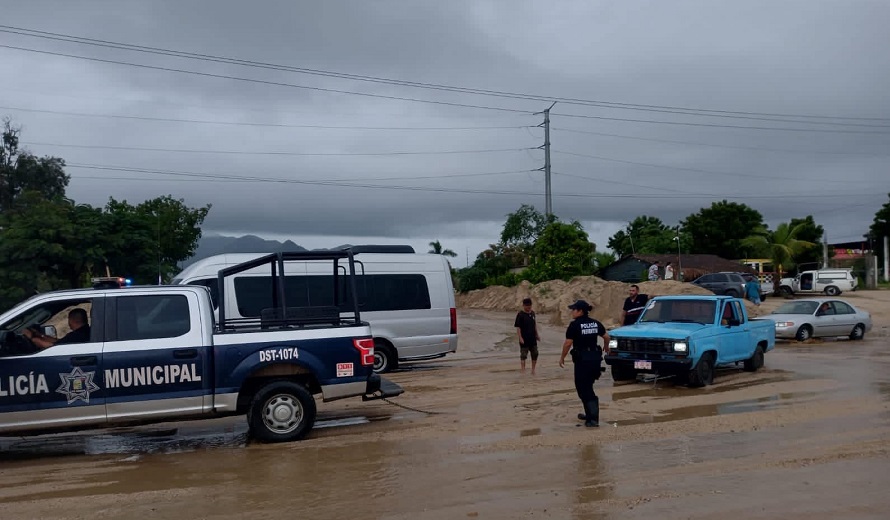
(820, 317)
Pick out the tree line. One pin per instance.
(49, 241)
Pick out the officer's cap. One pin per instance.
(581, 305)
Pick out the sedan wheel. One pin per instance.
(858, 332)
(804, 333)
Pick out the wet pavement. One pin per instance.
(807, 437)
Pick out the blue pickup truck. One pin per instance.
(156, 353)
(688, 337)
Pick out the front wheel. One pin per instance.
(281, 411)
(804, 333)
(786, 291)
(703, 373)
(832, 290)
(623, 373)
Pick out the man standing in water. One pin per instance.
(527, 330)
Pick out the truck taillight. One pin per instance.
(453, 321)
(365, 349)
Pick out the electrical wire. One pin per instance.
(423, 85)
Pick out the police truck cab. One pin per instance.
(156, 353)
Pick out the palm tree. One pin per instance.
(781, 246)
(436, 249)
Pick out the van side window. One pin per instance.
(376, 292)
(152, 317)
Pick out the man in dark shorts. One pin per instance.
(527, 330)
(633, 306)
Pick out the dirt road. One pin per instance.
(807, 437)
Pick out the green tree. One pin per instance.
(644, 235)
(721, 229)
(880, 228)
(781, 245)
(602, 260)
(436, 249)
(809, 232)
(561, 252)
(523, 227)
(22, 172)
(148, 240)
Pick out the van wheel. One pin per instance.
(281, 411)
(755, 363)
(858, 332)
(703, 373)
(832, 290)
(385, 358)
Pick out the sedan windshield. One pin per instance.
(680, 311)
(802, 307)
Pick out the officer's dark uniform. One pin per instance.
(587, 357)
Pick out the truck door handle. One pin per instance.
(186, 353)
(84, 361)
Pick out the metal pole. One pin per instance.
(679, 260)
(548, 203)
(825, 253)
(886, 259)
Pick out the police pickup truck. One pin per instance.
(152, 354)
(687, 337)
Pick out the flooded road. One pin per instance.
(807, 437)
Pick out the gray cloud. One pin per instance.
(788, 58)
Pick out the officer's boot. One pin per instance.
(583, 416)
(593, 413)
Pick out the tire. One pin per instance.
(732, 293)
(804, 333)
(703, 373)
(832, 290)
(281, 411)
(755, 362)
(623, 373)
(385, 358)
(858, 332)
(786, 291)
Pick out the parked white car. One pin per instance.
(820, 317)
(830, 281)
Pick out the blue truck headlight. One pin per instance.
(680, 346)
(613, 344)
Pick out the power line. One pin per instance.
(273, 125)
(267, 82)
(423, 85)
(696, 143)
(714, 125)
(434, 189)
(296, 154)
(249, 179)
(711, 172)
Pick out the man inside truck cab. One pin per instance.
(728, 314)
(80, 331)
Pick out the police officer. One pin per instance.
(581, 337)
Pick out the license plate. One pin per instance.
(643, 365)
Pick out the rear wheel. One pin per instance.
(281, 411)
(385, 358)
(832, 290)
(786, 291)
(623, 373)
(858, 332)
(804, 333)
(732, 292)
(703, 373)
(755, 363)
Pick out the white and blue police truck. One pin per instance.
(157, 353)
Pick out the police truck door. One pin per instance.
(59, 385)
(154, 359)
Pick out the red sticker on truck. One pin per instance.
(344, 370)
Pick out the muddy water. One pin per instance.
(807, 437)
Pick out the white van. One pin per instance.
(407, 298)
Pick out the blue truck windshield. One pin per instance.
(679, 311)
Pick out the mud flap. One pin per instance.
(387, 389)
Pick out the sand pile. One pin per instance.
(554, 297)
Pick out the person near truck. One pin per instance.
(668, 271)
(80, 331)
(582, 337)
(527, 330)
(653, 271)
(752, 290)
(633, 306)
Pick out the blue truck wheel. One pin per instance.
(703, 373)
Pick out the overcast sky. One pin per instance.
(817, 72)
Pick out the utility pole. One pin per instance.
(886, 259)
(825, 252)
(548, 196)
